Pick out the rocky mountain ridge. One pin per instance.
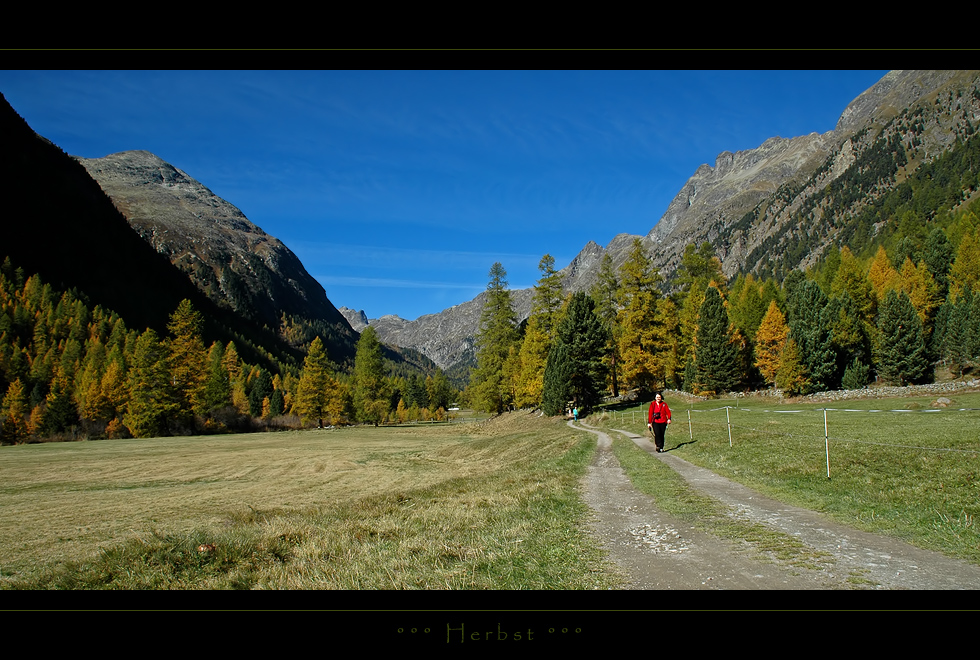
(62, 226)
(742, 204)
(229, 258)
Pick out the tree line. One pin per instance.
(847, 322)
(69, 371)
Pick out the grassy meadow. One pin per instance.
(913, 474)
(484, 506)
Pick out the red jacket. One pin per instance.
(659, 408)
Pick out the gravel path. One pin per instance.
(657, 551)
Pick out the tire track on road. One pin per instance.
(658, 551)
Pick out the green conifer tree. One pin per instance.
(370, 394)
(902, 356)
(716, 361)
(217, 387)
(152, 400)
(604, 294)
(579, 373)
(938, 256)
(557, 374)
(494, 341)
(809, 327)
(530, 358)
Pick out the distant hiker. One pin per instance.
(657, 420)
(575, 413)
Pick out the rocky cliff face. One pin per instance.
(721, 194)
(446, 337)
(715, 201)
(715, 198)
(357, 319)
(230, 259)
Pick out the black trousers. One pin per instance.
(658, 434)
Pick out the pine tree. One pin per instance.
(532, 358)
(604, 293)
(261, 390)
(61, 409)
(217, 387)
(745, 309)
(954, 341)
(810, 329)
(529, 359)
(579, 372)
(439, 390)
(716, 358)
(236, 377)
(277, 402)
(921, 289)
(548, 300)
(557, 374)
(113, 390)
(902, 356)
(667, 336)
(699, 269)
(850, 336)
(494, 340)
(370, 394)
(851, 279)
(856, 375)
(882, 276)
(152, 400)
(938, 256)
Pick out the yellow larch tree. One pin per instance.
(966, 269)
(882, 276)
(919, 285)
(770, 340)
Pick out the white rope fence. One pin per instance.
(632, 416)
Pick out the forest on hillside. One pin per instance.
(73, 371)
(876, 279)
(894, 297)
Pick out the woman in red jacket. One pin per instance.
(657, 420)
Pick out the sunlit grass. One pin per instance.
(911, 474)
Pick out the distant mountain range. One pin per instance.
(748, 205)
(766, 210)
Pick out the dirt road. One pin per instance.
(657, 551)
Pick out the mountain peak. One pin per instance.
(228, 257)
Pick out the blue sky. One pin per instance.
(399, 189)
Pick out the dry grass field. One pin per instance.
(449, 506)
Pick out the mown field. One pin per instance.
(898, 466)
(482, 506)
